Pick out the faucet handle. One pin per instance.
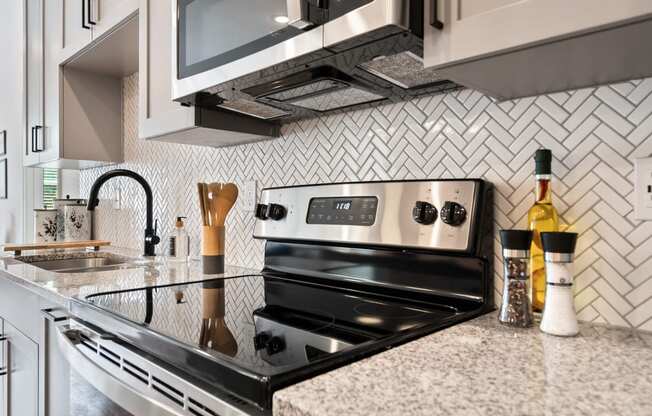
(155, 238)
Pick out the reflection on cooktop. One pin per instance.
(264, 324)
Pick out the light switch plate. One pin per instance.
(250, 195)
(643, 189)
(117, 199)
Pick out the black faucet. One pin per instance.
(151, 239)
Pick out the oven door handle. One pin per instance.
(115, 389)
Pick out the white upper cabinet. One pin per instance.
(74, 67)
(512, 48)
(34, 77)
(106, 14)
(158, 114)
(76, 31)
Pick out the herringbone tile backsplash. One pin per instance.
(594, 134)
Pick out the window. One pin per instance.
(50, 187)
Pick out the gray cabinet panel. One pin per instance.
(33, 10)
(22, 373)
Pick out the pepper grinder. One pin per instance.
(559, 317)
(516, 308)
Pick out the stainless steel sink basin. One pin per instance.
(87, 262)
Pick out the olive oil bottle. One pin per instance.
(541, 217)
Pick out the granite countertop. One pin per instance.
(62, 287)
(483, 368)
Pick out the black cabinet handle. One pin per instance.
(90, 13)
(35, 145)
(434, 17)
(84, 25)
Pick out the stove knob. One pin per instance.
(453, 213)
(261, 212)
(424, 213)
(275, 345)
(261, 340)
(276, 212)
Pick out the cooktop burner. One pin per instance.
(253, 321)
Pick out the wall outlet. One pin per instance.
(117, 199)
(643, 189)
(250, 196)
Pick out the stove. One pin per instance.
(350, 270)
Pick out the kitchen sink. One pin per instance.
(82, 262)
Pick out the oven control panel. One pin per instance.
(437, 214)
(359, 210)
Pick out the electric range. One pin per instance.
(350, 270)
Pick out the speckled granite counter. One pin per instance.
(482, 368)
(61, 287)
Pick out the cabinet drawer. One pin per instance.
(20, 307)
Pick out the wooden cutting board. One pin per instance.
(18, 248)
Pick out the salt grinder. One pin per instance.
(559, 317)
(516, 308)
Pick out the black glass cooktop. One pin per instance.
(264, 325)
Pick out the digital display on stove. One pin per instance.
(342, 205)
(359, 210)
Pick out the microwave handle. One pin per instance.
(295, 18)
(294, 10)
(111, 386)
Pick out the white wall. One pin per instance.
(11, 118)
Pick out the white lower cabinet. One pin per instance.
(21, 362)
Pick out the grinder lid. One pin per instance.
(559, 242)
(516, 239)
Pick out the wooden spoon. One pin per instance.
(207, 204)
(224, 202)
(202, 203)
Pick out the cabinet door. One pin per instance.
(3, 377)
(52, 52)
(158, 114)
(34, 74)
(106, 14)
(75, 29)
(21, 358)
(54, 372)
(477, 28)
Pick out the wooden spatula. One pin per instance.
(223, 197)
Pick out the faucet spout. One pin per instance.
(151, 239)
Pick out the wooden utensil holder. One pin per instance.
(212, 249)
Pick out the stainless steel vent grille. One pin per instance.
(339, 98)
(145, 375)
(403, 69)
(254, 109)
(317, 87)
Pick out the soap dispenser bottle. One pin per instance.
(179, 242)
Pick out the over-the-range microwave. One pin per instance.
(281, 60)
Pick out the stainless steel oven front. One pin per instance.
(217, 41)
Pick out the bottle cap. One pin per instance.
(543, 160)
(558, 242)
(179, 223)
(516, 239)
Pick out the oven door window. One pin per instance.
(212, 33)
